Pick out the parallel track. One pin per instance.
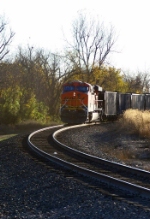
(133, 180)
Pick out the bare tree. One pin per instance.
(145, 80)
(5, 38)
(41, 72)
(92, 43)
(139, 83)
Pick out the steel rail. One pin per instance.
(121, 184)
(119, 166)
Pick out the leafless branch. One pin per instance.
(5, 38)
(92, 43)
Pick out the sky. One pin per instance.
(45, 24)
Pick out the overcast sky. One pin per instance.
(41, 23)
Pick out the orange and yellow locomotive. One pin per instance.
(79, 102)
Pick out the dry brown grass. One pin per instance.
(137, 121)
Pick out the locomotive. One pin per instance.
(82, 102)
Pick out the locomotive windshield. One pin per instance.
(77, 88)
(68, 88)
(82, 89)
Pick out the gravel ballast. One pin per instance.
(31, 189)
(109, 141)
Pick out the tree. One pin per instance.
(139, 83)
(109, 78)
(92, 43)
(18, 104)
(5, 38)
(53, 81)
(145, 81)
(41, 73)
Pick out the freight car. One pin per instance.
(82, 102)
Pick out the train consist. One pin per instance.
(82, 102)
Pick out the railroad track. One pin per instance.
(45, 143)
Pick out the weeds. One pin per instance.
(137, 121)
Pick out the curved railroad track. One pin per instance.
(45, 143)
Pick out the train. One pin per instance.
(82, 102)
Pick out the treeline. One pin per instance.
(30, 84)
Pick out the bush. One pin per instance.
(17, 105)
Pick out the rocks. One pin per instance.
(31, 189)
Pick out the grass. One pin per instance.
(8, 131)
(4, 137)
(137, 121)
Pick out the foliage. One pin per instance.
(10, 105)
(17, 105)
(109, 78)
